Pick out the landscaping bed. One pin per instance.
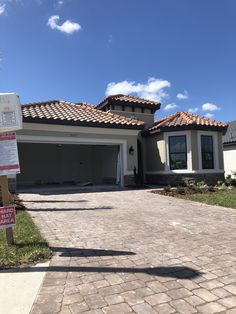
(222, 196)
(226, 198)
(29, 248)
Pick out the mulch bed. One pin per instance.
(14, 199)
(186, 191)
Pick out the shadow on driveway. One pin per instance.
(179, 272)
(48, 209)
(88, 252)
(54, 201)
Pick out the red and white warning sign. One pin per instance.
(9, 161)
(7, 216)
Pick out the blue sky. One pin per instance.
(181, 52)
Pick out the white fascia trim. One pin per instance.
(215, 148)
(79, 140)
(77, 129)
(203, 171)
(189, 150)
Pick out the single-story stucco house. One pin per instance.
(229, 146)
(64, 142)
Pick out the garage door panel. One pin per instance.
(57, 163)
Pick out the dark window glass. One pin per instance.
(207, 152)
(178, 152)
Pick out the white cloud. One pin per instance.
(67, 27)
(110, 39)
(193, 110)
(59, 3)
(209, 115)
(183, 95)
(154, 89)
(170, 107)
(210, 107)
(2, 8)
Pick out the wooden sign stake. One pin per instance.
(6, 202)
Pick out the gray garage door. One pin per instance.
(67, 164)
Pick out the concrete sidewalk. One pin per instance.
(19, 290)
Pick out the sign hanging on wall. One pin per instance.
(9, 161)
(7, 216)
(10, 112)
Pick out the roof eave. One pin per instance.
(187, 127)
(229, 143)
(82, 123)
(127, 103)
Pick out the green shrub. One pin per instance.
(233, 182)
(180, 189)
(228, 180)
(211, 189)
(195, 189)
(201, 184)
(167, 188)
(219, 183)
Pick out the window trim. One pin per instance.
(187, 133)
(210, 152)
(184, 152)
(215, 150)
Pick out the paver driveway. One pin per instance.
(134, 251)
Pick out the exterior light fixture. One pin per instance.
(131, 150)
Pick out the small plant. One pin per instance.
(223, 186)
(219, 183)
(195, 189)
(167, 188)
(180, 189)
(233, 182)
(228, 180)
(211, 189)
(201, 184)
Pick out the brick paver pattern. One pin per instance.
(135, 252)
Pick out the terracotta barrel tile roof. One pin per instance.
(181, 119)
(131, 100)
(62, 112)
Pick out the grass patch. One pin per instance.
(29, 247)
(225, 198)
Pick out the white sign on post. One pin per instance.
(10, 120)
(10, 112)
(9, 162)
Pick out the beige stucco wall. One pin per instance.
(220, 149)
(230, 159)
(194, 148)
(155, 152)
(148, 118)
